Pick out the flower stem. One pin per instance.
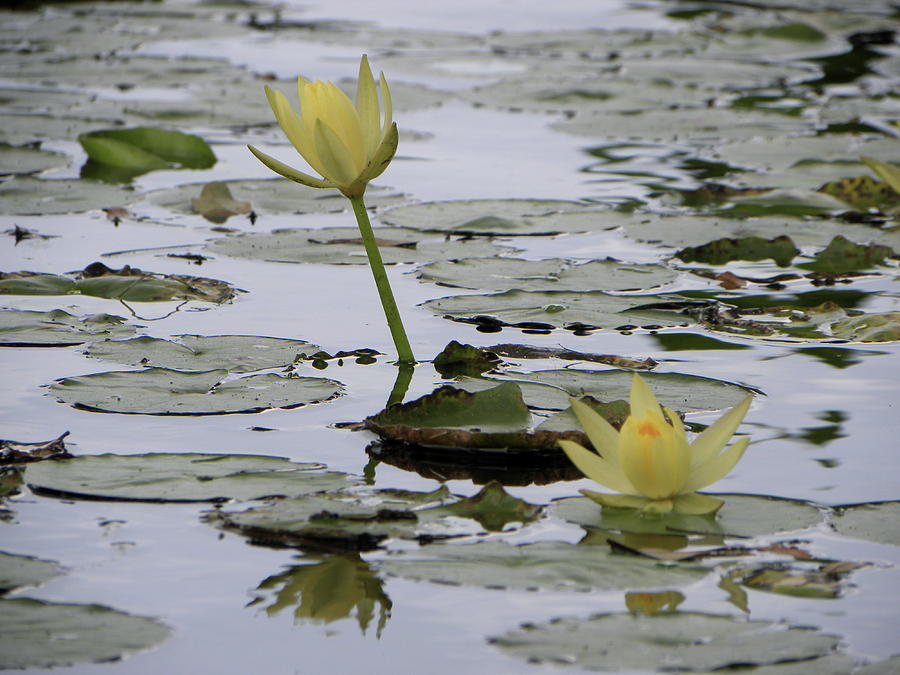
(391, 313)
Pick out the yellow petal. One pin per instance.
(293, 128)
(653, 458)
(388, 106)
(290, 172)
(367, 108)
(596, 468)
(697, 504)
(340, 114)
(337, 160)
(658, 506)
(717, 467)
(708, 444)
(603, 435)
(382, 157)
(643, 402)
(616, 501)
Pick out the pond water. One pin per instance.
(623, 122)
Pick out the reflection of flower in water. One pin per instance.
(650, 459)
(329, 590)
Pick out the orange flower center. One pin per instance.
(647, 428)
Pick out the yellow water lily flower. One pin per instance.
(347, 143)
(650, 459)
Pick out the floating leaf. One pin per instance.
(181, 477)
(878, 327)
(459, 359)
(863, 193)
(554, 566)
(160, 391)
(118, 155)
(879, 521)
(780, 249)
(504, 217)
(343, 246)
(554, 274)
(216, 204)
(25, 195)
(38, 634)
(129, 284)
(18, 160)
(741, 516)
(684, 641)
(15, 452)
(234, 353)
(819, 581)
(57, 328)
(843, 256)
(21, 571)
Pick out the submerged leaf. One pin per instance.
(216, 204)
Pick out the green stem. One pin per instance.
(391, 313)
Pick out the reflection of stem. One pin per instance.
(391, 313)
(369, 470)
(401, 384)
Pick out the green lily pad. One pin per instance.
(879, 327)
(780, 153)
(25, 195)
(552, 566)
(38, 634)
(275, 196)
(780, 249)
(799, 579)
(459, 359)
(118, 155)
(877, 522)
(741, 516)
(863, 193)
(234, 353)
(843, 256)
(550, 389)
(546, 310)
(181, 477)
(364, 519)
(129, 284)
(56, 328)
(554, 274)
(20, 571)
(18, 160)
(683, 124)
(683, 641)
(343, 246)
(505, 217)
(160, 391)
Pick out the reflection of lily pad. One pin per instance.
(343, 246)
(502, 274)
(159, 391)
(683, 641)
(37, 634)
(552, 566)
(546, 310)
(57, 328)
(742, 515)
(181, 477)
(504, 217)
(18, 571)
(129, 284)
(234, 353)
(873, 522)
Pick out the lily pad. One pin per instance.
(118, 155)
(873, 522)
(343, 246)
(38, 634)
(216, 204)
(863, 193)
(56, 328)
(842, 256)
(877, 327)
(18, 160)
(553, 274)
(741, 516)
(20, 571)
(364, 519)
(553, 566)
(546, 310)
(129, 284)
(160, 391)
(798, 579)
(780, 249)
(25, 195)
(505, 217)
(683, 641)
(780, 153)
(234, 353)
(181, 477)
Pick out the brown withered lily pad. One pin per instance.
(16, 452)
